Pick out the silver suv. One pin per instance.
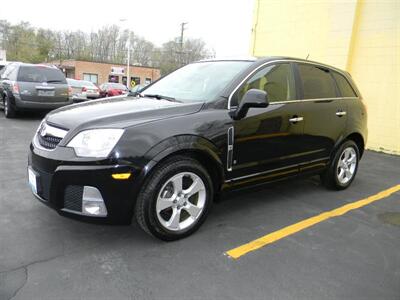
(32, 87)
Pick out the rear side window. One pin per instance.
(277, 80)
(344, 86)
(317, 82)
(40, 74)
(10, 72)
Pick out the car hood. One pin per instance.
(118, 112)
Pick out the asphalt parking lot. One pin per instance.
(354, 256)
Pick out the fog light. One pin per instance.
(93, 203)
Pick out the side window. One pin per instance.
(13, 73)
(344, 86)
(317, 82)
(6, 72)
(277, 80)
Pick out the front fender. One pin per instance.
(185, 143)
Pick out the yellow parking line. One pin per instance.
(289, 230)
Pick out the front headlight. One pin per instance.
(95, 142)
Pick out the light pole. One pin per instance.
(128, 43)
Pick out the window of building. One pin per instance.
(90, 77)
(135, 80)
(113, 78)
(277, 80)
(147, 81)
(344, 86)
(317, 82)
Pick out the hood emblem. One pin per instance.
(43, 130)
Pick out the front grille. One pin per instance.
(49, 142)
(49, 136)
(73, 197)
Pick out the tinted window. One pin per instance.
(345, 88)
(277, 80)
(317, 82)
(40, 74)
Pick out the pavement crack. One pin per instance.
(23, 284)
(33, 263)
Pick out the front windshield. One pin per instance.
(197, 82)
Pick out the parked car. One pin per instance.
(91, 90)
(137, 89)
(28, 86)
(2, 65)
(82, 90)
(207, 128)
(110, 89)
(76, 91)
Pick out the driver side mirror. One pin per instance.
(252, 98)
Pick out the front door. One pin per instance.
(267, 142)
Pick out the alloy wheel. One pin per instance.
(181, 201)
(346, 166)
(5, 105)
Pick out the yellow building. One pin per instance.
(360, 36)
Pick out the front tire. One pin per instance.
(175, 199)
(343, 168)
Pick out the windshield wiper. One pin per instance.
(53, 81)
(159, 97)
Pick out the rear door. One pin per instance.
(42, 84)
(324, 113)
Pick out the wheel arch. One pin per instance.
(355, 137)
(199, 148)
(359, 140)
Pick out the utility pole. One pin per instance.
(181, 41)
(128, 46)
(182, 30)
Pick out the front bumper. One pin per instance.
(57, 182)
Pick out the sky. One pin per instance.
(225, 25)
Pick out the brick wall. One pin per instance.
(103, 70)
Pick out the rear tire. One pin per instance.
(175, 199)
(9, 110)
(343, 167)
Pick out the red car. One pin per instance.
(110, 89)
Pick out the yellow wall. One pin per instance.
(360, 36)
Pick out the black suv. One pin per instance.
(208, 127)
(27, 87)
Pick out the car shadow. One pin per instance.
(27, 115)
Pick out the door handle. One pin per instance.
(296, 119)
(341, 113)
